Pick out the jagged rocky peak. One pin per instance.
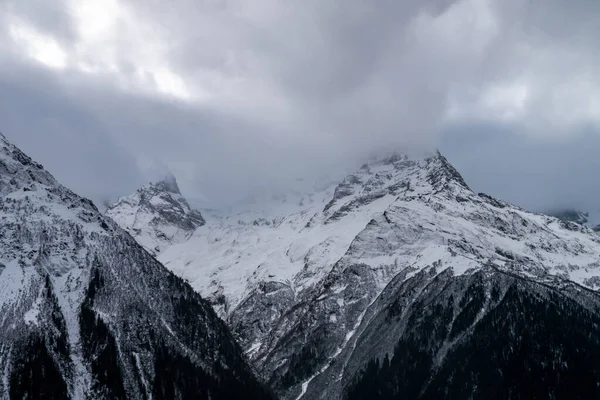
(85, 312)
(158, 214)
(571, 215)
(169, 184)
(394, 175)
(26, 185)
(19, 171)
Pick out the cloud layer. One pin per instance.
(237, 95)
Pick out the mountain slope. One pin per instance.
(303, 292)
(485, 335)
(85, 312)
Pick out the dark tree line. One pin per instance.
(527, 347)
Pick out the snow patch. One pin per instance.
(31, 316)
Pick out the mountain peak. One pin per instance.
(586, 218)
(393, 176)
(168, 184)
(157, 212)
(18, 171)
(438, 167)
(448, 170)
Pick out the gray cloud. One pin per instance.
(58, 131)
(538, 175)
(238, 95)
(47, 16)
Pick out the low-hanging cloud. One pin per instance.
(238, 95)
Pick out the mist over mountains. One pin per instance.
(326, 199)
(501, 94)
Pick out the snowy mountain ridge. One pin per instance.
(85, 312)
(301, 291)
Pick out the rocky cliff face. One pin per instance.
(401, 262)
(87, 313)
(157, 215)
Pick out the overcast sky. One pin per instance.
(235, 95)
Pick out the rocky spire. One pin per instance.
(157, 215)
(168, 184)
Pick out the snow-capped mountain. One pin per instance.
(157, 215)
(87, 313)
(396, 281)
(587, 218)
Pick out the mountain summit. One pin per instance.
(157, 214)
(87, 313)
(589, 219)
(401, 281)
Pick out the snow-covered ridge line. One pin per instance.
(314, 272)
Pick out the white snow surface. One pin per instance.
(232, 258)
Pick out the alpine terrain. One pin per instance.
(400, 282)
(587, 218)
(87, 313)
